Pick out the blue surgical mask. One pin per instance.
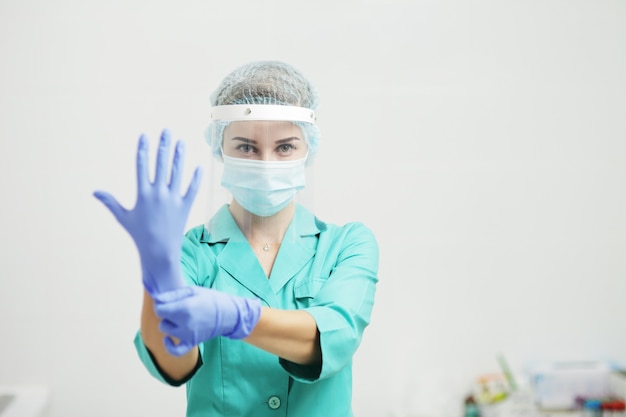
(263, 187)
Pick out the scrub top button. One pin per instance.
(273, 402)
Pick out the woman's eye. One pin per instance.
(246, 148)
(285, 147)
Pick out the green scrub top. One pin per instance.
(327, 270)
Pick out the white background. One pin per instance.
(483, 141)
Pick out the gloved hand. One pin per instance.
(157, 221)
(194, 314)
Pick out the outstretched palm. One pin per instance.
(157, 221)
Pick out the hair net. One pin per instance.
(265, 82)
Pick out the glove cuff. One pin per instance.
(166, 282)
(249, 312)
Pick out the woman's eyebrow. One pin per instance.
(289, 139)
(244, 140)
(279, 141)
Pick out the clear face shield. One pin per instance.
(263, 158)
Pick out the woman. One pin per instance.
(261, 313)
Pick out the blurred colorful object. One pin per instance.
(490, 388)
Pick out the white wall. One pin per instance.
(483, 141)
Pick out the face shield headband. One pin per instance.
(239, 112)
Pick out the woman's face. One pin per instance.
(264, 140)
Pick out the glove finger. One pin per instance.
(194, 185)
(177, 166)
(176, 306)
(176, 349)
(178, 294)
(162, 158)
(142, 164)
(169, 328)
(166, 311)
(111, 203)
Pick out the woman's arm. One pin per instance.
(289, 334)
(176, 367)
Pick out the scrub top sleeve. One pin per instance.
(302, 373)
(343, 306)
(153, 368)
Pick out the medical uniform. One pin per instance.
(327, 270)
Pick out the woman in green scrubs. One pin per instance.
(302, 289)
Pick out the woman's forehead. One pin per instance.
(262, 129)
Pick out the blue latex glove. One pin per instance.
(194, 314)
(157, 221)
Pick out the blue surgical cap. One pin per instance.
(265, 82)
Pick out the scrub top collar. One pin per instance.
(238, 260)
